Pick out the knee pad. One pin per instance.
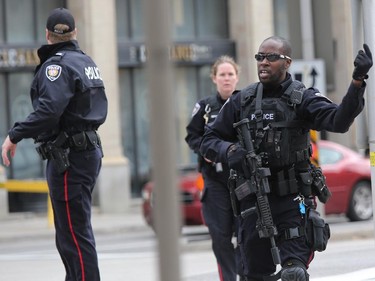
(294, 272)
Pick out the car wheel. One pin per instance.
(360, 205)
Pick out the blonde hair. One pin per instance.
(61, 37)
(221, 60)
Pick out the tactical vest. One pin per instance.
(212, 108)
(279, 137)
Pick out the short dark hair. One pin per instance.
(286, 46)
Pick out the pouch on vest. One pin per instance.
(317, 231)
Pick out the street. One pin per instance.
(130, 253)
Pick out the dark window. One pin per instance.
(199, 19)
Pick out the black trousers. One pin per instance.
(219, 218)
(256, 252)
(70, 194)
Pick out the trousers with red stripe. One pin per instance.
(71, 197)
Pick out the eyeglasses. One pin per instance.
(270, 57)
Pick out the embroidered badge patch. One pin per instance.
(196, 109)
(53, 72)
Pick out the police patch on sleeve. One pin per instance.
(53, 72)
(196, 109)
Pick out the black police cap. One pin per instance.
(60, 16)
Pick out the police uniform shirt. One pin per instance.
(67, 94)
(195, 128)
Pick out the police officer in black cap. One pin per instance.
(69, 104)
(279, 114)
(216, 204)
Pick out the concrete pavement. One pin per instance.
(31, 225)
(34, 225)
(197, 258)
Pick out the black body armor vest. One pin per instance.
(212, 108)
(279, 137)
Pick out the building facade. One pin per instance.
(112, 32)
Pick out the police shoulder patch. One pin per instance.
(196, 109)
(53, 72)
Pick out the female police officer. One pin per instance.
(216, 205)
(279, 118)
(69, 104)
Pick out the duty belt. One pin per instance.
(58, 150)
(86, 140)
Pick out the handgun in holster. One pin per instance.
(54, 151)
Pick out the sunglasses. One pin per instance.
(270, 57)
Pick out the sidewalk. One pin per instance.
(35, 226)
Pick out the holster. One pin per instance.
(317, 231)
(56, 154)
(319, 187)
(233, 198)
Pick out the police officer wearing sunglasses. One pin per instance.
(280, 113)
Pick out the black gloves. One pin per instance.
(362, 63)
(236, 156)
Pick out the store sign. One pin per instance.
(18, 57)
(189, 53)
(310, 72)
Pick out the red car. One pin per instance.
(191, 186)
(348, 177)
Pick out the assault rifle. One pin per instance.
(256, 182)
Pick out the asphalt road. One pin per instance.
(127, 250)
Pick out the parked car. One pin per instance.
(191, 186)
(348, 176)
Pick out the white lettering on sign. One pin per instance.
(92, 72)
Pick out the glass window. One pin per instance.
(129, 20)
(26, 163)
(200, 19)
(192, 85)
(137, 30)
(127, 115)
(122, 16)
(206, 86)
(212, 19)
(19, 29)
(29, 27)
(2, 36)
(186, 97)
(4, 126)
(135, 124)
(142, 121)
(281, 20)
(43, 7)
(183, 19)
